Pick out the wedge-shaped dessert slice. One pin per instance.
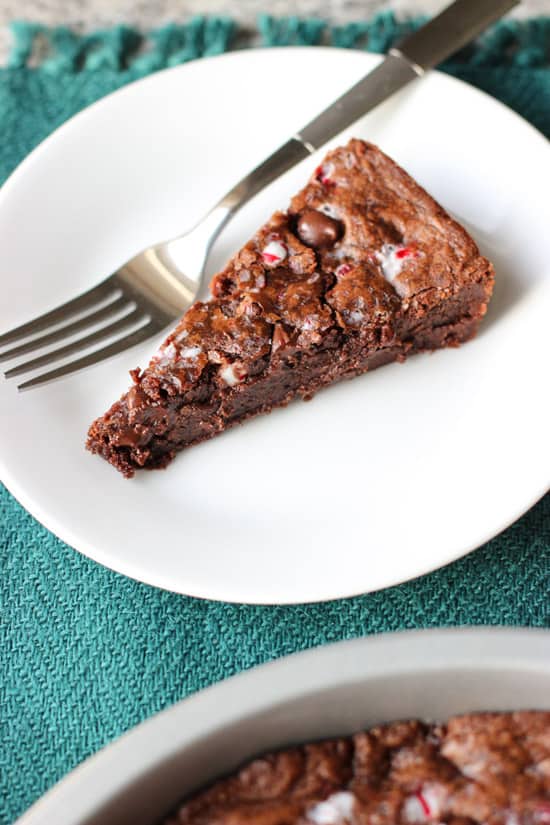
(364, 268)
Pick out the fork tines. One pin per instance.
(91, 313)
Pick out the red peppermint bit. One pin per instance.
(343, 270)
(404, 253)
(323, 173)
(274, 252)
(426, 810)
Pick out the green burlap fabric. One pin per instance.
(85, 653)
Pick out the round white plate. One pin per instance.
(331, 691)
(377, 480)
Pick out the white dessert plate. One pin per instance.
(334, 690)
(377, 480)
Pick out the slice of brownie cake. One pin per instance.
(364, 268)
(478, 769)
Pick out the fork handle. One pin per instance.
(391, 75)
(283, 159)
(208, 229)
(440, 37)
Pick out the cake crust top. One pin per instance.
(490, 768)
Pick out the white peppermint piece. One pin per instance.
(341, 251)
(310, 322)
(165, 353)
(214, 357)
(542, 814)
(190, 353)
(473, 770)
(413, 810)
(349, 160)
(274, 252)
(176, 382)
(391, 259)
(543, 768)
(426, 805)
(231, 376)
(324, 172)
(336, 810)
(356, 317)
(328, 209)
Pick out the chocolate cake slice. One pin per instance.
(477, 769)
(364, 268)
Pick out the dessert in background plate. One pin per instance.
(490, 768)
(364, 268)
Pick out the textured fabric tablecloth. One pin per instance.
(85, 653)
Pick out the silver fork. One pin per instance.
(156, 287)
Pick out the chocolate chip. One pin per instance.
(316, 229)
(157, 417)
(136, 397)
(128, 437)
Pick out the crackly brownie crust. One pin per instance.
(491, 768)
(364, 268)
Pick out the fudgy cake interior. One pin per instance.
(479, 769)
(364, 268)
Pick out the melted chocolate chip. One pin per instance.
(136, 397)
(317, 229)
(129, 437)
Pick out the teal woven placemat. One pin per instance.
(85, 653)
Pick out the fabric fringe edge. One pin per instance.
(57, 50)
